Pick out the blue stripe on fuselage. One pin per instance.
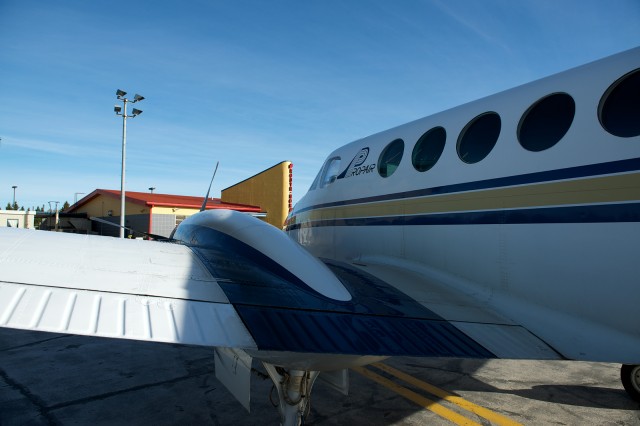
(591, 170)
(603, 213)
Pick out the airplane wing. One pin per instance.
(232, 295)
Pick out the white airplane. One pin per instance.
(508, 227)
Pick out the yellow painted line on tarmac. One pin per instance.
(485, 413)
(418, 399)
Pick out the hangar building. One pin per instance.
(266, 195)
(153, 213)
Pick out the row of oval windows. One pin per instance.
(542, 126)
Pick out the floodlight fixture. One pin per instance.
(117, 109)
(136, 111)
(137, 98)
(120, 93)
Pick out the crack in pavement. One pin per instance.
(43, 410)
(126, 390)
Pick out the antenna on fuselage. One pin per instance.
(206, 198)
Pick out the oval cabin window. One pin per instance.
(428, 149)
(390, 158)
(619, 110)
(546, 122)
(478, 137)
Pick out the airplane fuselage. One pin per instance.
(529, 200)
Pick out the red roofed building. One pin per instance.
(146, 212)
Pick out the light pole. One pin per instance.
(14, 195)
(123, 112)
(151, 188)
(57, 218)
(75, 201)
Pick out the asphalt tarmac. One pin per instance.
(56, 379)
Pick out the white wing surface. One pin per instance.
(109, 287)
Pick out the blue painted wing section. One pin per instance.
(378, 321)
(284, 314)
(356, 334)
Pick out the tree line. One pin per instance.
(37, 209)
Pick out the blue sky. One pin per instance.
(253, 83)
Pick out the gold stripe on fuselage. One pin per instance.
(605, 189)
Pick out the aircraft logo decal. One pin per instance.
(356, 167)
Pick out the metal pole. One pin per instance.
(14, 195)
(57, 217)
(122, 174)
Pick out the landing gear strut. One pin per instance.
(294, 393)
(630, 376)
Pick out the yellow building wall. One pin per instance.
(270, 189)
(100, 206)
(178, 211)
